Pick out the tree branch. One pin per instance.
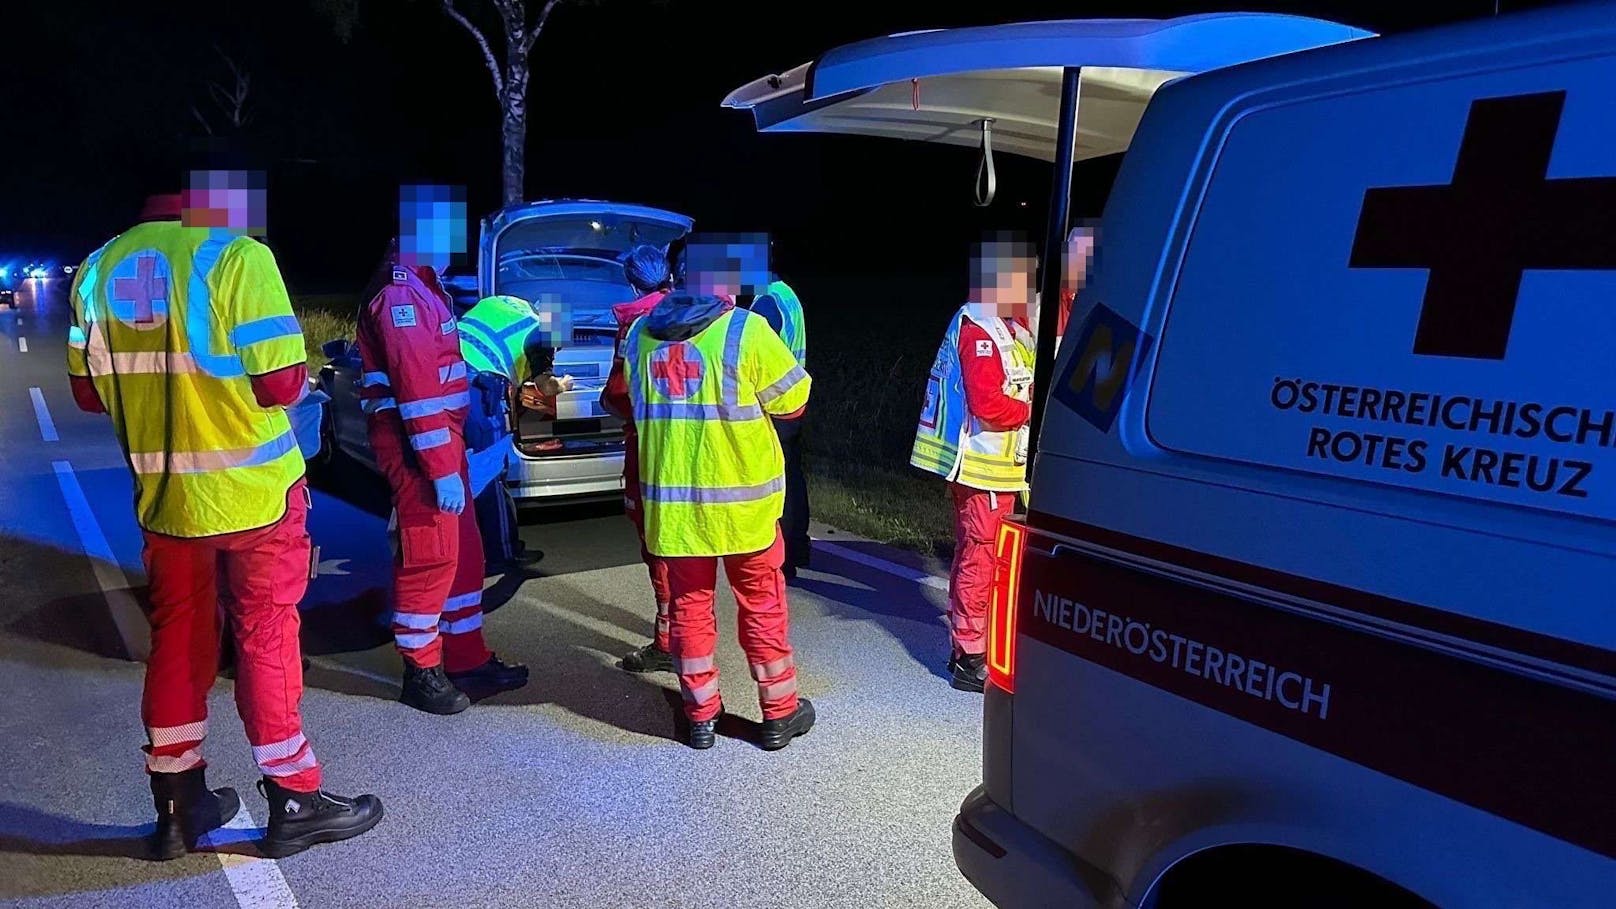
(482, 42)
(544, 16)
(201, 119)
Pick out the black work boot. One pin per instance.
(431, 691)
(777, 734)
(969, 672)
(648, 658)
(703, 734)
(491, 677)
(298, 820)
(187, 810)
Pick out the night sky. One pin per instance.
(624, 106)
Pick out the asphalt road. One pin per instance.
(570, 792)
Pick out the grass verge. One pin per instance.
(907, 508)
(323, 317)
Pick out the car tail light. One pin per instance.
(1002, 607)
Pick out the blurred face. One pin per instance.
(1079, 260)
(232, 201)
(1002, 277)
(555, 325)
(727, 265)
(431, 224)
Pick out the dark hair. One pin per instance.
(646, 268)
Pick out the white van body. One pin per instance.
(1320, 550)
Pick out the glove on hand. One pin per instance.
(451, 494)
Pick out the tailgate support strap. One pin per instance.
(984, 195)
(1049, 284)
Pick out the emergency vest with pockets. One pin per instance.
(712, 476)
(952, 443)
(169, 323)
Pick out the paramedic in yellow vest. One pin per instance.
(183, 334)
(508, 344)
(973, 432)
(704, 379)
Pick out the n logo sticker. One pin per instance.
(1097, 376)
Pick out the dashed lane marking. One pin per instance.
(47, 428)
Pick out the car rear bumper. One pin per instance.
(593, 476)
(1015, 865)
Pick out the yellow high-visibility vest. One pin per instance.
(495, 336)
(712, 476)
(170, 322)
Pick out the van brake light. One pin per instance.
(1002, 607)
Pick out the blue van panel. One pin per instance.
(1283, 348)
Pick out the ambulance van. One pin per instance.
(1314, 601)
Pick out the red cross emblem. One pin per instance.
(673, 374)
(146, 292)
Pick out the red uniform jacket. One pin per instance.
(984, 381)
(414, 376)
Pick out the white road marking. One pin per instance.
(892, 568)
(47, 428)
(257, 883)
(126, 613)
(22, 345)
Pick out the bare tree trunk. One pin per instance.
(514, 123)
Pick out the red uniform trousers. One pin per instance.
(655, 567)
(977, 513)
(760, 593)
(438, 563)
(265, 573)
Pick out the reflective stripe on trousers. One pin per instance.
(286, 757)
(178, 735)
(420, 629)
